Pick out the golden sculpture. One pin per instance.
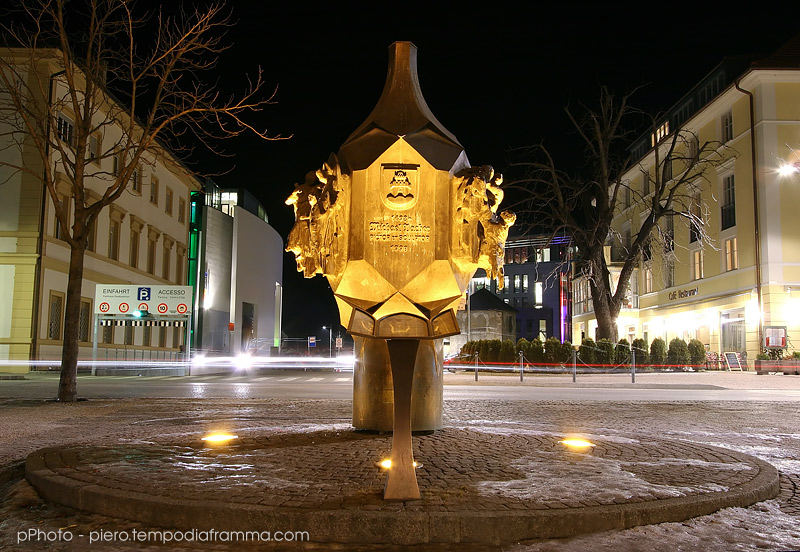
(398, 222)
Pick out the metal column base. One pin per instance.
(373, 398)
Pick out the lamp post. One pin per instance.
(330, 340)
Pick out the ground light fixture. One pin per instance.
(386, 464)
(575, 444)
(219, 438)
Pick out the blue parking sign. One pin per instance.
(144, 294)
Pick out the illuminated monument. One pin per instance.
(399, 222)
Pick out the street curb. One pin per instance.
(47, 470)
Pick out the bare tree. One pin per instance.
(584, 206)
(70, 57)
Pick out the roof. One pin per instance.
(401, 112)
(485, 300)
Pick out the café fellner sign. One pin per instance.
(398, 222)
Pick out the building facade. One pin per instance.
(140, 239)
(536, 286)
(489, 317)
(238, 271)
(738, 280)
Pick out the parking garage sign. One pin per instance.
(117, 299)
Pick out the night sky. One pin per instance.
(497, 79)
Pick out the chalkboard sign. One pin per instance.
(732, 361)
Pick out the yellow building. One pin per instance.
(715, 289)
(141, 238)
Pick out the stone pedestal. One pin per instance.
(372, 386)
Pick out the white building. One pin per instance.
(239, 271)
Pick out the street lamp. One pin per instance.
(330, 340)
(789, 169)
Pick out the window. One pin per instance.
(55, 314)
(667, 169)
(669, 270)
(118, 165)
(543, 255)
(727, 126)
(85, 321)
(693, 147)
(695, 220)
(181, 210)
(154, 191)
(113, 239)
(506, 282)
(147, 336)
(94, 149)
(181, 261)
(626, 195)
(731, 254)
(168, 202)
(59, 232)
(660, 133)
(648, 278)
(543, 328)
(537, 293)
(136, 181)
(517, 283)
(669, 234)
(728, 202)
(91, 237)
(697, 264)
(165, 261)
(128, 335)
(135, 237)
(645, 184)
(151, 255)
(65, 129)
(525, 283)
(108, 334)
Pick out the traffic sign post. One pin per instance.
(159, 305)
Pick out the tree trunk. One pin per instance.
(68, 384)
(602, 298)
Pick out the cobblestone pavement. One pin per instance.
(765, 430)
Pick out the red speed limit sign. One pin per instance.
(162, 308)
(181, 308)
(104, 307)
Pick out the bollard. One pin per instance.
(633, 365)
(476, 366)
(574, 364)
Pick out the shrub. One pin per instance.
(697, 352)
(678, 352)
(605, 354)
(796, 355)
(536, 351)
(640, 346)
(566, 352)
(483, 350)
(494, 350)
(552, 350)
(658, 352)
(587, 351)
(508, 352)
(525, 346)
(622, 352)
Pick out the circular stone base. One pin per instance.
(478, 486)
